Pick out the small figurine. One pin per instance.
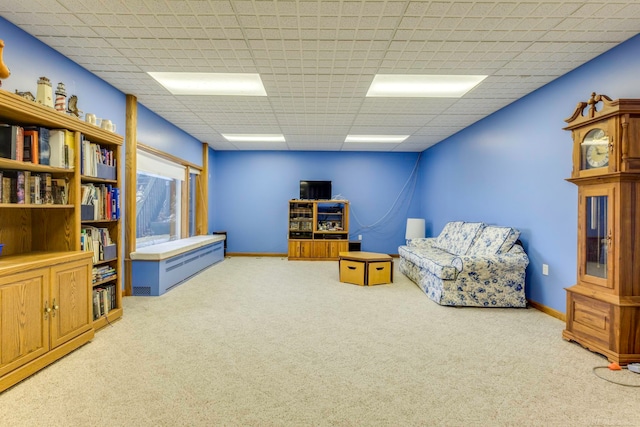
(26, 95)
(44, 95)
(61, 98)
(73, 106)
(4, 70)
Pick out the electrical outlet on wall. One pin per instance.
(359, 236)
(545, 269)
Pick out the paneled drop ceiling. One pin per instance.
(318, 58)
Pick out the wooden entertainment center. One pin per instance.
(318, 229)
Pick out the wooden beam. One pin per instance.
(202, 194)
(131, 147)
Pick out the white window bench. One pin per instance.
(157, 269)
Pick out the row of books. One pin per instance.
(24, 144)
(37, 145)
(103, 272)
(26, 187)
(93, 156)
(105, 200)
(104, 300)
(98, 241)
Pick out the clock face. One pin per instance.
(597, 156)
(595, 149)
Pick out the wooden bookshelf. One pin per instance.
(45, 279)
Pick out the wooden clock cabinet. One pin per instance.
(603, 307)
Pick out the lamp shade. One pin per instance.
(415, 228)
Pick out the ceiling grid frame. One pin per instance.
(318, 57)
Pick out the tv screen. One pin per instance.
(315, 190)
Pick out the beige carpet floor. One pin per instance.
(270, 342)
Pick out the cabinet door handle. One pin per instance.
(55, 308)
(47, 310)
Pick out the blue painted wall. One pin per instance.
(94, 94)
(158, 133)
(252, 190)
(510, 169)
(29, 59)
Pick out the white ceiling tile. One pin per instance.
(317, 59)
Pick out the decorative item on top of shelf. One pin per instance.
(43, 94)
(90, 118)
(4, 70)
(61, 98)
(73, 106)
(26, 95)
(106, 124)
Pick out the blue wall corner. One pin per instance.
(510, 169)
(252, 190)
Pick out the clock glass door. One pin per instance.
(595, 149)
(596, 235)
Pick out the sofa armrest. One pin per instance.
(489, 265)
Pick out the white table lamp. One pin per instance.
(415, 228)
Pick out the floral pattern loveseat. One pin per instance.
(468, 264)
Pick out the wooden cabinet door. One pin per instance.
(294, 249)
(24, 325)
(306, 249)
(596, 235)
(70, 301)
(320, 249)
(336, 247)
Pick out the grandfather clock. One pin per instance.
(603, 307)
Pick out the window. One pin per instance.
(158, 199)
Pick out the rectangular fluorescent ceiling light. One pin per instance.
(376, 138)
(231, 84)
(253, 137)
(417, 85)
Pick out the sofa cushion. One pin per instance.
(450, 229)
(441, 264)
(493, 240)
(457, 237)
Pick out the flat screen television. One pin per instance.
(315, 190)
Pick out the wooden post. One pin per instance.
(131, 148)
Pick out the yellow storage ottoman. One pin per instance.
(365, 268)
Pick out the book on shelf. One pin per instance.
(11, 142)
(95, 160)
(96, 240)
(31, 146)
(35, 191)
(28, 139)
(46, 191)
(20, 182)
(60, 191)
(103, 273)
(41, 137)
(6, 189)
(104, 300)
(61, 143)
(104, 198)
